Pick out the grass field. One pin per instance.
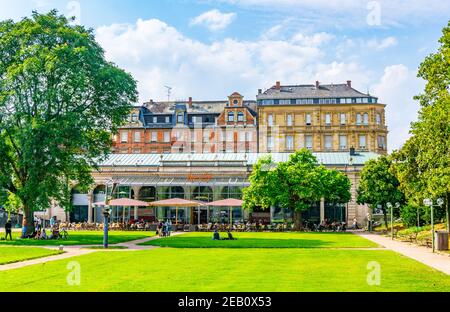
(81, 238)
(265, 240)
(216, 270)
(14, 254)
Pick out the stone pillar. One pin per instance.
(90, 205)
(136, 190)
(322, 209)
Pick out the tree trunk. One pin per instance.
(297, 220)
(28, 221)
(448, 211)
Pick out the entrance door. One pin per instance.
(203, 216)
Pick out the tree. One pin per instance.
(423, 164)
(337, 187)
(378, 186)
(59, 101)
(294, 184)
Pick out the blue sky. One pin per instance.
(208, 49)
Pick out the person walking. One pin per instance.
(8, 230)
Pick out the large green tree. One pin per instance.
(59, 101)
(378, 186)
(295, 184)
(423, 164)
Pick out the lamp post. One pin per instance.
(389, 205)
(429, 203)
(105, 226)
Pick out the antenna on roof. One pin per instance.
(169, 92)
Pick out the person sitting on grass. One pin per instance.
(43, 234)
(230, 236)
(216, 235)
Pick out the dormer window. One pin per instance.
(180, 118)
(230, 117)
(155, 120)
(134, 117)
(235, 102)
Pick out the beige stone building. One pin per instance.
(322, 118)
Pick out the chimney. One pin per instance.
(278, 85)
(317, 85)
(190, 102)
(349, 83)
(259, 91)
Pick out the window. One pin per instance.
(248, 136)
(230, 117)
(362, 142)
(382, 142)
(359, 100)
(366, 119)
(289, 143)
(267, 102)
(180, 118)
(194, 119)
(358, 119)
(328, 142)
(285, 102)
(242, 136)
(235, 102)
(154, 136)
(137, 137)
(166, 137)
(343, 118)
(289, 120)
(240, 116)
(270, 120)
(167, 119)
(270, 143)
(230, 136)
(328, 119)
(124, 137)
(309, 142)
(155, 119)
(378, 119)
(206, 136)
(342, 142)
(134, 117)
(136, 150)
(308, 120)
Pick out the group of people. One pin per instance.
(334, 226)
(216, 236)
(164, 228)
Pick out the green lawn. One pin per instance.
(217, 270)
(15, 254)
(265, 240)
(81, 238)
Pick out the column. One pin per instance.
(322, 209)
(90, 205)
(136, 190)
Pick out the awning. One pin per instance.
(230, 202)
(177, 202)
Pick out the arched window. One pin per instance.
(147, 193)
(366, 119)
(203, 193)
(231, 192)
(134, 117)
(230, 117)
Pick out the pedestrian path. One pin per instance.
(419, 253)
(74, 251)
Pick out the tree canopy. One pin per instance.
(294, 184)
(60, 100)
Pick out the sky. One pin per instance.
(209, 49)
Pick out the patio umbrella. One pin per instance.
(230, 202)
(177, 202)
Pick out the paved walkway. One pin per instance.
(74, 251)
(422, 254)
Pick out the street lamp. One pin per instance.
(429, 203)
(391, 208)
(105, 226)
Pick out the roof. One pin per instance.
(155, 160)
(230, 202)
(198, 107)
(176, 202)
(311, 92)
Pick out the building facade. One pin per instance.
(190, 127)
(322, 118)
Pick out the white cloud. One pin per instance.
(396, 88)
(157, 55)
(214, 20)
(379, 45)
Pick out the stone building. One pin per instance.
(322, 118)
